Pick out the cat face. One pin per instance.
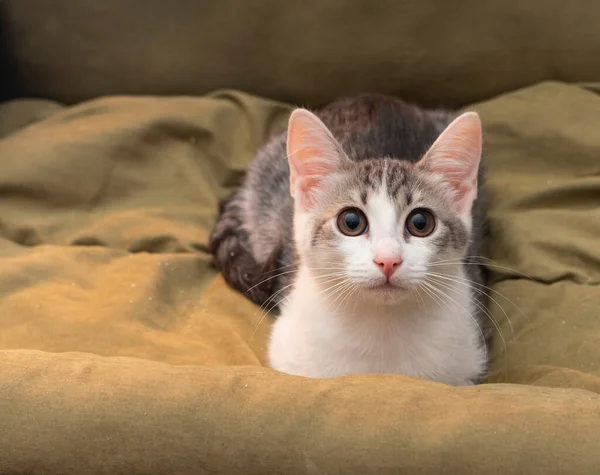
(378, 226)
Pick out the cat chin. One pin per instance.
(388, 294)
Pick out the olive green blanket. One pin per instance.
(123, 351)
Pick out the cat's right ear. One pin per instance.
(313, 153)
(455, 157)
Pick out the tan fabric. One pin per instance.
(80, 414)
(105, 210)
(544, 185)
(306, 52)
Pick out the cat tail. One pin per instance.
(229, 245)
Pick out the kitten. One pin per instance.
(374, 203)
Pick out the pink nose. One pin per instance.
(388, 264)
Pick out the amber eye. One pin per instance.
(420, 223)
(352, 222)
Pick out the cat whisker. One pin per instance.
(334, 289)
(499, 294)
(263, 307)
(326, 268)
(442, 294)
(272, 297)
(275, 305)
(340, 288)
(479, 305)
(420, 302)
(283, 267)
(323, 279)
(488, 314)
(291, 272)
(483, 258)
(269, 278)
(339, 292)
(434, 294)
(328, 279)
(297, 263)
(265, 312)
(468, 282)
(486, 264)
(350, 293)
(344, 295)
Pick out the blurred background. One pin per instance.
(432, 52)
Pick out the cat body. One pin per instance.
(361, 221)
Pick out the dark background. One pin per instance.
(433, 52)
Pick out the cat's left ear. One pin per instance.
(455, 157)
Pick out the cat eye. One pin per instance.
(420, 223)
(352, 222)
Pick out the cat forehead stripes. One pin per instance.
(395, 175)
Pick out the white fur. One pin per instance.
(326, 333)
(438, 343)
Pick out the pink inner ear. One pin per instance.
(313, 153)
(455, 156)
